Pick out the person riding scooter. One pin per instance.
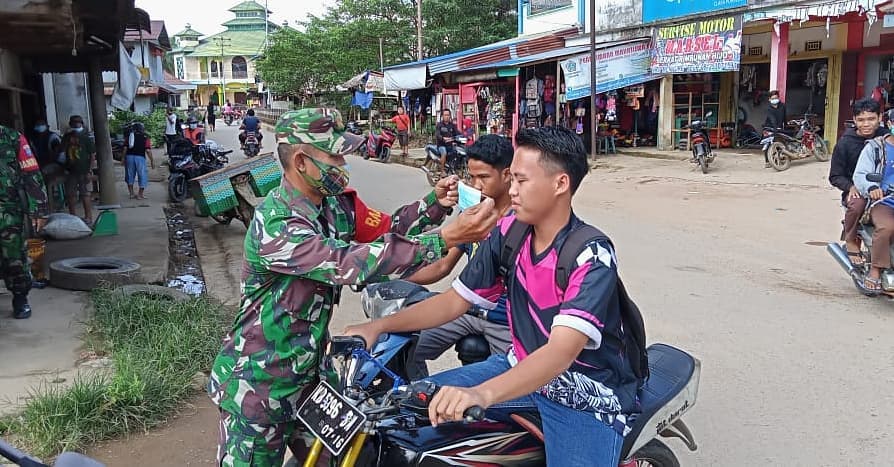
(489, 161)
(878, 157)
(844, 162)
(445, 136)
(250, 123)
(193, 132)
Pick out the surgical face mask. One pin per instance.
(774, 101)
(333, 179)
(77, 129)
(40, 128)
(192, 126)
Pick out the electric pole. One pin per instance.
(593, 123)
(221, 41)
(419, 29)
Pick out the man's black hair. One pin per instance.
(559, 148)
(493, 150)
(251, 112)
(867, 104)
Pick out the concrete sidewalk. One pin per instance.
(46, 348)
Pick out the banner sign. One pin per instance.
(824, 9)
(656, 10)
(706, 46)
(542, 6)
(616, 67)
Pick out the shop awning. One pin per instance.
(406, 78)
(820, 9)
(532, 59)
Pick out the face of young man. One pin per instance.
(867, 123)
(491, 181)
(535, 187)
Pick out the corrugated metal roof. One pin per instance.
(247, 43)
(543, 56)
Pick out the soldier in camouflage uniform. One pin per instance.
(23, 196)
(310, 237)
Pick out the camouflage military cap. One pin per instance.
(320, 127)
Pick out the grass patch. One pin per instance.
(157, 347)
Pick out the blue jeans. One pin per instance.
(572, 437)
(135, 167)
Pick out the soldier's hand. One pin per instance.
(367, 331)
(447, 191)
(39, 224)
(472, 225)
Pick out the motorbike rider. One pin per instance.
(559, 364)
(844, 161)
(445, 137)
(489, 161)
(250, 123)
(193, 133)
(776, 118)
(310, 237)
(878, 157)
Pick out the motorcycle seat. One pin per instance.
(670, 370)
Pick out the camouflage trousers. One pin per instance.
(13, 253)
(245, 444)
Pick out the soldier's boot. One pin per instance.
(21, 309)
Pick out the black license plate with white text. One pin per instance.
(331, 418)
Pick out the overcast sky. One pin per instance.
(206, 16)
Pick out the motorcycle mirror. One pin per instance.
(874, 178)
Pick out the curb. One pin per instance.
(663, 155)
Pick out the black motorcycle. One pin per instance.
(457, 161)
(700, 143)
(66, 459)
(188, 161)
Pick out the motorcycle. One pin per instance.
(378, 146)
(865, 231)
(700, 143)
(229, 118)
(189, 161)
(354, 127)
(457, 161)
(363, 427)
(781, 149)
(66, 459)
(252, 147)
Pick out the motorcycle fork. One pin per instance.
(350, 458)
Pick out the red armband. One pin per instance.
(26, 156)
(369, 224)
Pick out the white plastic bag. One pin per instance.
(61, 226)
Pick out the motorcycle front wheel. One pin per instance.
(703, 163)
(656, 454)
(386, 155)
(820, 149)
(777, 157)
(177, 188)
(432, 171)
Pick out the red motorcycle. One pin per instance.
(378, 145)
(782, 148)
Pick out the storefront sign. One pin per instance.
(542, 6)
(616, 67)
(701, 46)
(656, 10)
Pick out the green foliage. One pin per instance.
(345, 41)
(157, 347)
(154, 123)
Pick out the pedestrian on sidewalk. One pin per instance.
(139, 147)
(308, 239)
(402, 122)
(24, 196)
(170, 129)
(211, 115)
(78, 154)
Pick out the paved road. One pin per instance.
(728, 267)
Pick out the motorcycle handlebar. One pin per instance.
(474, 414)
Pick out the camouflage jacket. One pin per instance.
(21, 183)
(293, 271)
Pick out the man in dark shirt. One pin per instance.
(445, 136)
(775, 118)
(564, 361)
(867, 118)
(250, 123)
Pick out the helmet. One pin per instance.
(191, 120)
(138, 127)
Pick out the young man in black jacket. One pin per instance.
(867, 122)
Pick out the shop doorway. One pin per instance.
(806, 90)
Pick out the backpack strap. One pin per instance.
(512, 243)
(571, 249)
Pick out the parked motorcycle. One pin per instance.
(457, 161)
(700, 143)
(66, 459)
(364, 428)
(378, 145)
(354, 127)
(252, 146)
(189, 161)
(781, 149)
(865, 231)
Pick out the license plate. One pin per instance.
(331, 418)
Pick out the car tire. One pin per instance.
(87, 273)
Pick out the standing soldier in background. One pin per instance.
(23, 195)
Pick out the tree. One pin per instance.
(345, 40)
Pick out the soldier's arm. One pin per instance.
(413, 218)
(32, 181)
(292, 246)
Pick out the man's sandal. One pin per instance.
(856, 258)
(871, 286)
